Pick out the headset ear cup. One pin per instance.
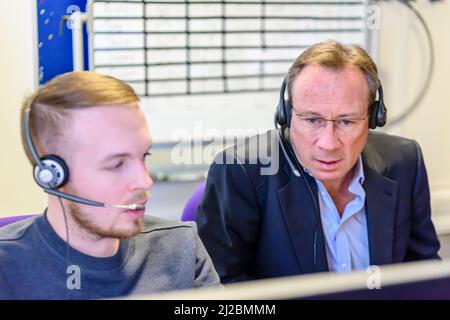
(288, 111)
(381, 114)
(280, 114)
(284, 113)
(378, 114)
(54, 173)
(379, 109)
(373, 115)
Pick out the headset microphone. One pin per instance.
(51, 172)
(92, 203)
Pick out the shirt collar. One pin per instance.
(359, 172)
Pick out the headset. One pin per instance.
(377, 110)
(282, 121)
(51, 172)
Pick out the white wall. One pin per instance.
(18, 192)
(403, 61)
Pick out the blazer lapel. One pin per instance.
(302, 222)
(381, 203)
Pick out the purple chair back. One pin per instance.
(190, 208)
(8, 220)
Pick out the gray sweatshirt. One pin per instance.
(35, 263)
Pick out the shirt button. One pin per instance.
(344, 265)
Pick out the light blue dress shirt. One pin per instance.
(346, 240)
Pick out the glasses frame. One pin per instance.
(305, 116)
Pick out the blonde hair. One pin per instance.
(337, 56)
(50, 106)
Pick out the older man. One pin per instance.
(343, 197)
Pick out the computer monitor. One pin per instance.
(413, 280)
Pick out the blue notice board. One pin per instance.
(55, 37)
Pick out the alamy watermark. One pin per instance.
(73, 281)
(374, 279)
(200, 147)
(373, 17)
(73, 17)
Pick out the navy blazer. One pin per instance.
(260, 226)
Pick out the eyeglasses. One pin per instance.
(343, 124)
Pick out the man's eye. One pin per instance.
(147, 155)
(116, 166)
(312, 120)
(345, 122)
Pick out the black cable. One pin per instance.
(415, 104)
(297, 169)
(291, 156)
(67, 240)
(316, 206)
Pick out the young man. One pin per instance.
(88, 140)
(343, 197)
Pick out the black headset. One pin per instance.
(377, 110)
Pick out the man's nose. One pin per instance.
(328, 137)
(142, 179)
